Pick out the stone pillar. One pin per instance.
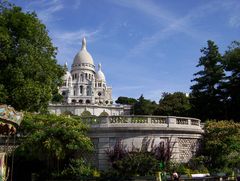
(67, 82)
(77, 90)
(103, 145)
(84, 91)
(70, 81)
(171, 121)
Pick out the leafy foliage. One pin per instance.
(86, 114)
(126, 100)
(144, 161)
(76, 168)
(52, 140)
(143, 106)
(104, 113)
(176, 104)
(29, 74)
(221, 145)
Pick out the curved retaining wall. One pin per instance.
(184, 134)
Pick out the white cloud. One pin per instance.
(234, 21)
(75, 37)
(46, 9)
(173, 23)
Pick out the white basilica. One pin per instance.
(84, 84)
(85, 88)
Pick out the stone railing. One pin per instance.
(144, 121)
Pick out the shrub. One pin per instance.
(143, 161)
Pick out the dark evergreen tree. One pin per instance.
(206, 96)
(144, 106)
(231, 85)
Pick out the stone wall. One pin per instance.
(94, 109)
(184, 134)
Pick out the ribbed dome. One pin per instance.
(100, 75)
(83, 56)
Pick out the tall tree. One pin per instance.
(126, 100)
(231, 86)
(176, 104)
(144, 106)
(29, 73)
(205, 95)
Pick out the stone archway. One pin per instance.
(86, 114)
(104, 113)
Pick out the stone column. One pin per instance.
(84, 90)
(103, 145)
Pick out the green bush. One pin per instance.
(137, 164)
(77, 168)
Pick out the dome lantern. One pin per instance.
(83, 58)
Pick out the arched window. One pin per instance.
(89, 91)
(74, 101)
(88, 101)
(81, 89)
(81, 77)
(80, 101)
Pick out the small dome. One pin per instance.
(100, 75)
(83, 56)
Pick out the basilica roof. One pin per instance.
(83, 56)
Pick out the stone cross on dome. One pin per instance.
(100, 66)
(84, 43)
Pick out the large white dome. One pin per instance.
(83, 56)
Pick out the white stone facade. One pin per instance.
(86, 89)
(85, 85)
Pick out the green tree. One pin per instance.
(144, 106)
(126, 100)
(50, 142)
(29, 73)
(205, 95)
(231, 85)
(176, 104)
(221, 145)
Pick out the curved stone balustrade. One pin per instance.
(147, 122)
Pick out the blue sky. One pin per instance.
(145, 46)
